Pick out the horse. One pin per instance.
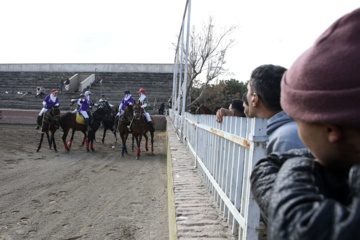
(123, 129)
(202, 109)
(68, 120)
(49, 123)
(140, 127)
(108, 123)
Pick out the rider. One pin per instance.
(144, 102)
(102, 102)
(85, 105)
(49, 101)
(78, 102)
(127, 100)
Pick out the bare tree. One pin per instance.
(207, 52)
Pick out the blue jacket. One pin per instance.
(283, 134)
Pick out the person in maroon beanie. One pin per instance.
(319, 198)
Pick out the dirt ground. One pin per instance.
(79, 195)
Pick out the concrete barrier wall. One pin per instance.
(16, 116)
(86, 82)
(91, 67)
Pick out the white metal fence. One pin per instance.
(225, 154)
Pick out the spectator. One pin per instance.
(61, 84)
(318, 198)
(263, 97)
(162, 108)
(170, 102)
(245, 105)
(40, 91)
(67, 85)
(235, 109)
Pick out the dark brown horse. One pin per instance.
(68, 120)
(49, 122)
(202, 109)
(140, 127)
(108, 122)
(123, 128)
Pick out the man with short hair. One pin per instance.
(264, 102)
(235, 109)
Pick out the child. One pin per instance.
(319, 198)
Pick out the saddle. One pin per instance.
(81, 120)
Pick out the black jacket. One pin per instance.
(304, 200)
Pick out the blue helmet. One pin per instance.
(103, 95)
(127, 92)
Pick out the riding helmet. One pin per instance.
(141, 90)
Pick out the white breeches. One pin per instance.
(147, 115)
(120, 113)
(84, 113)
(42, 111)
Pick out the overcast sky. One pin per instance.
(143, 31)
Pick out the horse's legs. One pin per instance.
(72, 138)
(49, 139)
(146, 142)
(132, 145)
(152, 141)
(53, 140)
(84, 139)
(92, 145)
(114, 132)
(41, 139)
(104, 134)
(138, 141)
(123, 138)
(66, 131)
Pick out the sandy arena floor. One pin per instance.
(80, 195)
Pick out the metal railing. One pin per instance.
(225, 154)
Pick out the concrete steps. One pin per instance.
(158, 88)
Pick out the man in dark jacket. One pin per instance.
(307, 198)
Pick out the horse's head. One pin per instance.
(137, 110)
(55, 112)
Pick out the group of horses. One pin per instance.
(131, 122)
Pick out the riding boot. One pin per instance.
(38, 121)
(88, 128)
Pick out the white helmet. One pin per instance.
(87, 93)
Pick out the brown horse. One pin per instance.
(202, 109)
(68, 120)
(140, 127)
(49, 122)
(123, 128)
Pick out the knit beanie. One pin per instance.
(323, 84)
